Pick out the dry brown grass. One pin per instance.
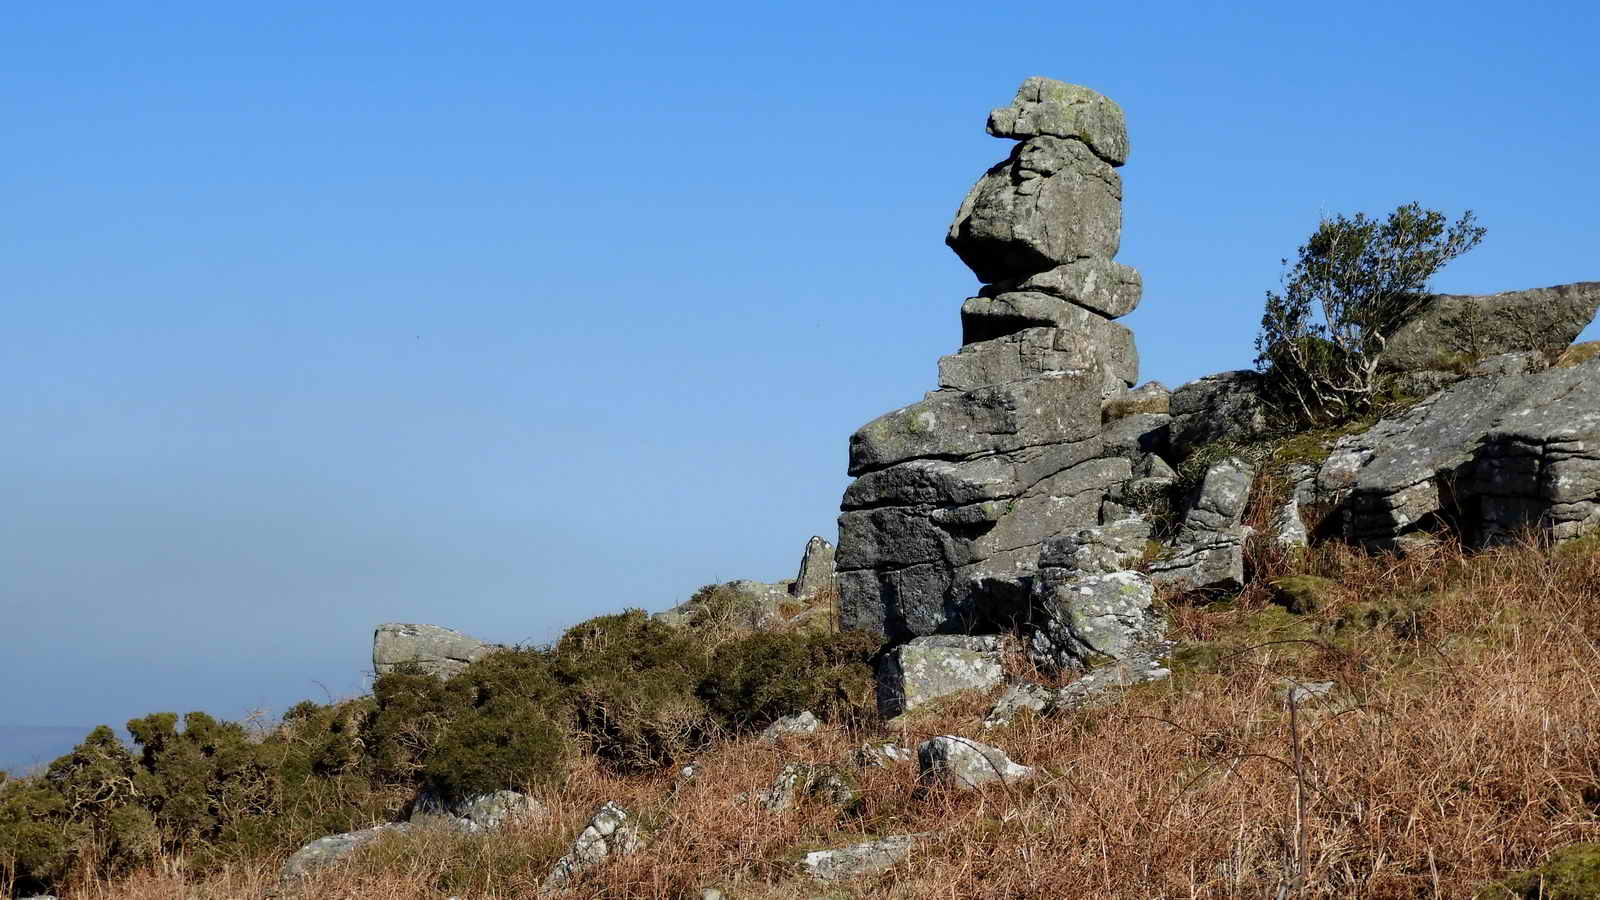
(1462, 743)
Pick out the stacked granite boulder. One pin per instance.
(954, 495)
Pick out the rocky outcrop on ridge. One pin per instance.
(1485, 457)
(441, 652)
(1455, 329)
(954, 495)
(762, 605)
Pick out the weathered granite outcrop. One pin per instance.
(816, 570)
(1224, 406)
(441, 652)
(928, 668)
(1208, 551)
(1486, 457)
(1452, 330)
(955, 494)
(1050, 202)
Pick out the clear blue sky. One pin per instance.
(503, 315)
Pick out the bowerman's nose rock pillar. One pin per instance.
(941, 530)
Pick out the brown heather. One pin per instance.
(1462, 744)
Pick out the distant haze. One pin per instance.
(25, 749)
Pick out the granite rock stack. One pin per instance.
(954, 496)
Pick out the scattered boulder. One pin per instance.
(965, 764)
(441, 652)
(816, 570)
(325, 851)
(1144, 665)
(609, 833)
(1227, 406)
(1298, 693)
(1455, 329)
(857, 860)
(927, 668)
(800, 723)
(1019, 697)
(1485, 458)
(824, 782)
(1208, 552)
(881, 755)
(479, 813)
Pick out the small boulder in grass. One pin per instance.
(325, 851)
(609, 833)
(965, 764)
(857, 860)
(798, 724)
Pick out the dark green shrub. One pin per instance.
(413, 710)
(631, 685)
(204, 785)
(38, 836)
(762, 677)
(510, 743)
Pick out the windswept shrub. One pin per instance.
(632, 683)
(38, 836)
(760, 678)
(413, 711)
(511, 743)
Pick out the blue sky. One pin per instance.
(504, 315)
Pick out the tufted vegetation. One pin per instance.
(625, 691)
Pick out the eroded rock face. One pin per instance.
(1047, 106)
(1097, 284)
(1224, 406)
(1208, 552)
(1486, 457)
(1050, 202)
(1456, 328)
(441, 652)
(1087, 620)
